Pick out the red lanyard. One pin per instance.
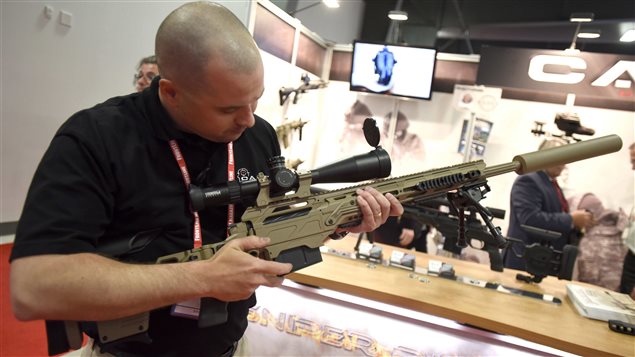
(230, 177)
(198, 240)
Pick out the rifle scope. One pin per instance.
(372, 165)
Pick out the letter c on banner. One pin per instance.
(537, 69)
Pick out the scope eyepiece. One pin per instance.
(224, 194)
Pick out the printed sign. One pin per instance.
(582, 73)
(300, 321)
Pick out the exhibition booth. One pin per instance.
(432, 110)
(346, 306)
(501, 103)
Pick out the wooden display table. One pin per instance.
(554, 325)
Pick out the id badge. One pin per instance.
(189, 309)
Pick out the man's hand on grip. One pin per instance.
(233, 274)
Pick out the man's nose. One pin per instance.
(246, 118)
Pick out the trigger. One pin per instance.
(262, 254)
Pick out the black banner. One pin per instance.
(597, 80)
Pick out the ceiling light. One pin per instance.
(589, 34)
(398, 15)
(333, 4)
(581, 17)
(628, 36)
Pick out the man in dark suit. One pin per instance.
(537, 201)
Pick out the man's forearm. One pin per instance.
(90, 287)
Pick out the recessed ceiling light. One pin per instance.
(331, 3)
(398, 15)
(581, 17)
(628, 36)
(589, 34)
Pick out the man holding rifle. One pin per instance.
(119, 172)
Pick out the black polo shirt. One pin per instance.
(109, 174)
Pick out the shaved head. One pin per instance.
(199, 33)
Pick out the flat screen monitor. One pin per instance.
(405, 71)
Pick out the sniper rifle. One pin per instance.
(297, 221)
(458, 235)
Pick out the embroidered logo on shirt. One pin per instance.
(243, 175)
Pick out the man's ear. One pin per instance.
(168, 93)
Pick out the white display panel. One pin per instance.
(297, 320)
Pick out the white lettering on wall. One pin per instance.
(537, 69)
(614, 73)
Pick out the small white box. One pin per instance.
(434, 266)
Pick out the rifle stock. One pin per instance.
(298, 223)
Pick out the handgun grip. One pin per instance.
(213, 312)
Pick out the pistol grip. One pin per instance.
(213, 312)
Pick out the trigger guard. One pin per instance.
(259, 253)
